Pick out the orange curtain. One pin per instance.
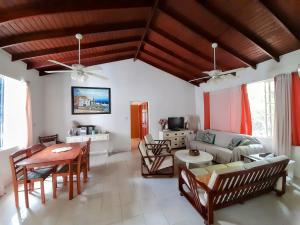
(246, 121)
(206, 110)
(295, 109)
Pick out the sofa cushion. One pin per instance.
(237, 164)
(255, 164)
(215, 167)
(223, 138)
(199, 171)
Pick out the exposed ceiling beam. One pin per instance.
(149, 21)
(241, 29)
(91, 63)
(38, 53)
(177, 56)
(187, 47)
(280, 19)
(57, 6)
(163, 68)
(187, 73)
(41, 64)
(65, 32)
(199, 31)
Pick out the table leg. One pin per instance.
(70, 181)
(25, 187)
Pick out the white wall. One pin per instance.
(17, 70)
(265, 70)
(129, 81)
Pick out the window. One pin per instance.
(262, 105)
(13, 113)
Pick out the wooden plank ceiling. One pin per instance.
(172, 35)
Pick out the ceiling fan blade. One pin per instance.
(226, 74)
(200, 78)
(93, 68)
(59, 63)
(59, 71)
(231, 71)
(96, 75)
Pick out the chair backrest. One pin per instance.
(36, 148)
(50, 138)
(86, 150)
(148, 139)
(236, 185)
(144, 154)
(16, 157)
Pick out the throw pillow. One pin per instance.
(199, 135)
(235, 142)
(245, 142)
(209, 138)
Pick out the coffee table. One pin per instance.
(203, 158)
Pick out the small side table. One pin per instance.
(290, 166)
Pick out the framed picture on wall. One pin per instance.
(91, 100)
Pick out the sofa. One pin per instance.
(220, 151)
(222, 185)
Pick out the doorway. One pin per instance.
(139, 118)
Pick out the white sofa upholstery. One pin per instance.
(219, 149)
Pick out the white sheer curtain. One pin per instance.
(15, 132)
(282, 125)
(28, 115)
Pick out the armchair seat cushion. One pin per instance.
(37, 173)
(168, 162)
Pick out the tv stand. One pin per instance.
(177, 138)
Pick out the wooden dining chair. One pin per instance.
(34, 175)
(78, 167)
(36, 149)
(53, 139)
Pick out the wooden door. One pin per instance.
(144, 119)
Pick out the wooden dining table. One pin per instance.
(47, 157)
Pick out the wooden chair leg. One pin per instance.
(85, 174)
(54, 185)
(78, 183)
(16, 192)
(43, 192)
(65, 180)
(31, 186)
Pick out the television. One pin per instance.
(175, 123)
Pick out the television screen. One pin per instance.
(175, 123)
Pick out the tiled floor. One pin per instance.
(116, 194)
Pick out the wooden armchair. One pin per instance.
(157, 146)
(52, 139)
(35, 175)
(226, 188)
(78, 167)
(155, 164)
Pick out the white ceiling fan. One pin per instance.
(78, 71)
(215, 73)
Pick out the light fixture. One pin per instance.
(299, 70)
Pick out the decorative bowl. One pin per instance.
(194, 152)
